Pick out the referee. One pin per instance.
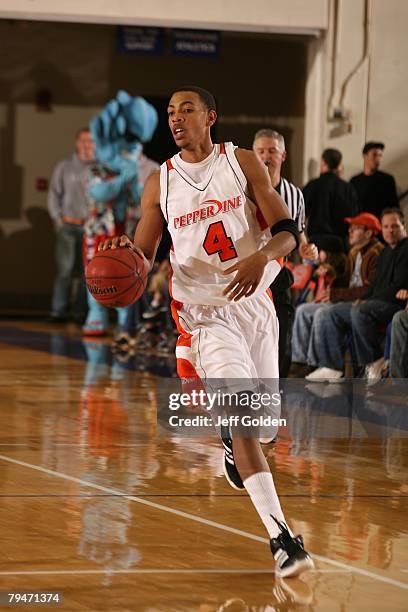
(269, 146)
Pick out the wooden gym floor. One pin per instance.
(96, 502)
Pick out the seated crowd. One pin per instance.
(354, 312)
(362, 311)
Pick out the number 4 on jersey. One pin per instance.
(217, 241)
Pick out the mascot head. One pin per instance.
(121, 128)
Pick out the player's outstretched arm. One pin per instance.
(150, 227)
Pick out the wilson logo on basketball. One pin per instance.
(95, 290)
(213, 208)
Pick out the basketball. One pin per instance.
(116, 277)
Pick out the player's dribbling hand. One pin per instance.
(119, 241)
(248, 275)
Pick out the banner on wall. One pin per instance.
(196, 43)
(130, 39)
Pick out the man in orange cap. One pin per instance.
(309, 338)
(366, 220)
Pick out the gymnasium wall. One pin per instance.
(359, 68)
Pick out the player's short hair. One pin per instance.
(205, 96)
(332, 157)
(373, 145)
(81, 131)
(393, 211)
(268, 133)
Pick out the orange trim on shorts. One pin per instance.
(190, 380)
(175, 306)
(184, 340)
(185, 369)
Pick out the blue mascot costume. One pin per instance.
(113, 185)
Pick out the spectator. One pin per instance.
(68, 207)
(329, 273)
(365, 317)
(360, 270)
(146, 167)
(329, 200)
(375, 189)
(399, 340)
(269, 146)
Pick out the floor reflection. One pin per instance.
(63, 345)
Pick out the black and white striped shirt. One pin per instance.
(293, 197)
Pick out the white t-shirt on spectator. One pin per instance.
(356, 280)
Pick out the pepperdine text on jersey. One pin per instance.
(215, 207)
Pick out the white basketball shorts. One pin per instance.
(239, 340)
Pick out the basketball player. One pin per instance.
(228, 228)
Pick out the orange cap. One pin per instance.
(367, 219)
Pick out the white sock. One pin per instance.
(261, 489)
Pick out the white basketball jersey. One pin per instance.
(213, 224)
